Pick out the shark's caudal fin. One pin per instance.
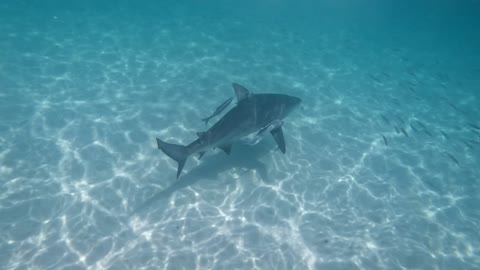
(179, 153)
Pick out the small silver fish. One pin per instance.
(467, 144)
(421, 124)
(385, 119)
(428, 133)
(218, 110)
(444, 135)
(385, 140)
(453, 158)
(396, 129)
(474, 126)
(474, 141)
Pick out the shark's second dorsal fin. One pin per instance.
(240, 91)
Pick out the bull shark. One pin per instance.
(253, 113)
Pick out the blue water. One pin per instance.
(382, 163)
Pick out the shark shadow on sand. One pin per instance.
(245, 157)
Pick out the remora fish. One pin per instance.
(385, 140)
(444, 134)
(218, 110)
(262, 132)
(385, 119)
(252, 113)
(396, 129)
(474, 126)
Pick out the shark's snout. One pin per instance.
(297, 101)
(294, 102)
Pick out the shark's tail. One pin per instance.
(179, 153)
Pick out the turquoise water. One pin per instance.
(382, 162)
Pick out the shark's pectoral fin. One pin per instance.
(227, 148)
(240, 91)
(277, 134)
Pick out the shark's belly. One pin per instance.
(241, 122)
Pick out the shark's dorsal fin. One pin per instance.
(241, 92)
(277, 134)
(227, 148)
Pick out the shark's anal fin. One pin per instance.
(227, 148)
(206, 119)
(277, 134)
(240, 91)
